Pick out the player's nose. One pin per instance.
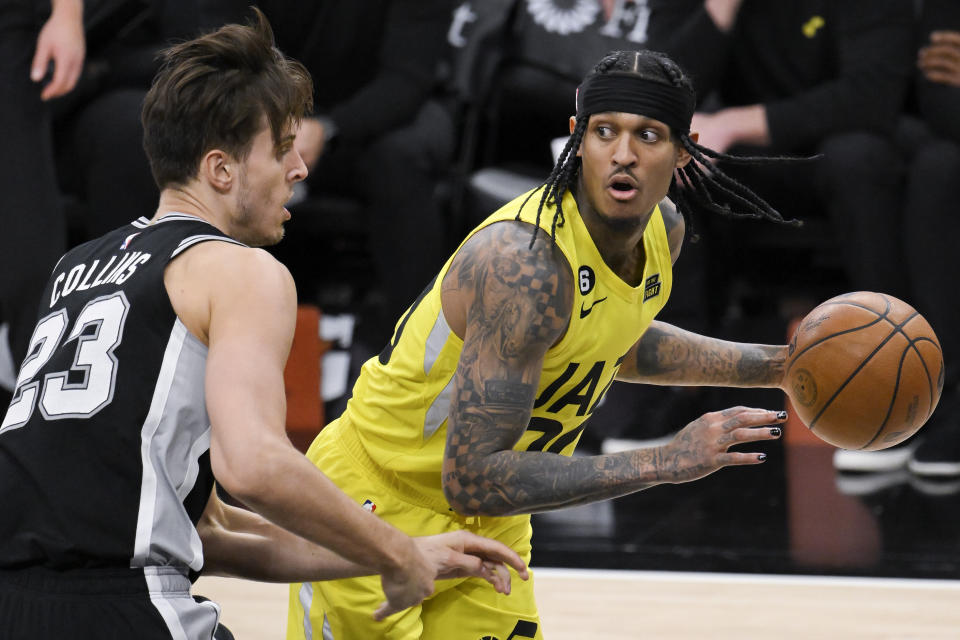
(624, 154)
(299, 171)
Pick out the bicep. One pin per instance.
(251, 329)
(518, 306)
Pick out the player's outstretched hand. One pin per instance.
(702, 446)
(457, 554)
(408, 585)
(461, 554)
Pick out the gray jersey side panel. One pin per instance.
(174, 436)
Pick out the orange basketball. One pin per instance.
(864, 371)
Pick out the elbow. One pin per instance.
(470, 498)
(243, 479)
(457, 495)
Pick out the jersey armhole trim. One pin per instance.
(186, 243)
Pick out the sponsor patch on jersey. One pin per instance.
(651, 288)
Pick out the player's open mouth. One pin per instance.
(622, 188)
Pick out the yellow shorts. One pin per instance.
(462, 609)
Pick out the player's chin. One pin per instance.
(274, 236)
(265, 239)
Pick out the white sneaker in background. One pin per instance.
(862, 484)
(872, 461)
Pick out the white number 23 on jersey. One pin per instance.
(97, 331)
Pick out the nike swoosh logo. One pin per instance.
(585, 312)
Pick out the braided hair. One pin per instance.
(694, 186)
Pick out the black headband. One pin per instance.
(629, 93)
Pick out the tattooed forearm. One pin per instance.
(671, 356)
(483, 476)
(513, 482)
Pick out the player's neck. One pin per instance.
(186, 200)
(619, 242)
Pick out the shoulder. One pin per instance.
(221, 277)
(498, 265)
(228, 265)
(675, 226)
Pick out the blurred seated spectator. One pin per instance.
(925, 189)
(102, 169)
(374, 139)
(42, 49)
(546, 48)
(930, 223)
(805, 77)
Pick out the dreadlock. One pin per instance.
(700, 184)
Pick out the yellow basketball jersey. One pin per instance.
(400, 402)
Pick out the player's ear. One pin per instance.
(573, 125)
(683, 156)
(219, 169)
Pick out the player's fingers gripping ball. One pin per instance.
(865, 371)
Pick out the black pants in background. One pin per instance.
(32, 228)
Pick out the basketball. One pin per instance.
(864, 371)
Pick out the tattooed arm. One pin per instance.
(510, 304)
(668, 355)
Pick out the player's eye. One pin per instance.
(650, 135)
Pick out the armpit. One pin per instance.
(675, 227)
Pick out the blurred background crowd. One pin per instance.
(430, 114)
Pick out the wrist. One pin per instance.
(723, 13)
(397, 552)
(67, 7)
(779, 356)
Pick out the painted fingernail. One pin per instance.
(762, 457)
(781, 415)
(775, 432)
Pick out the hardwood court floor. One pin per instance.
(621, 605)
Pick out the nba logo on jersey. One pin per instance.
(126, 243)
(369, 506)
